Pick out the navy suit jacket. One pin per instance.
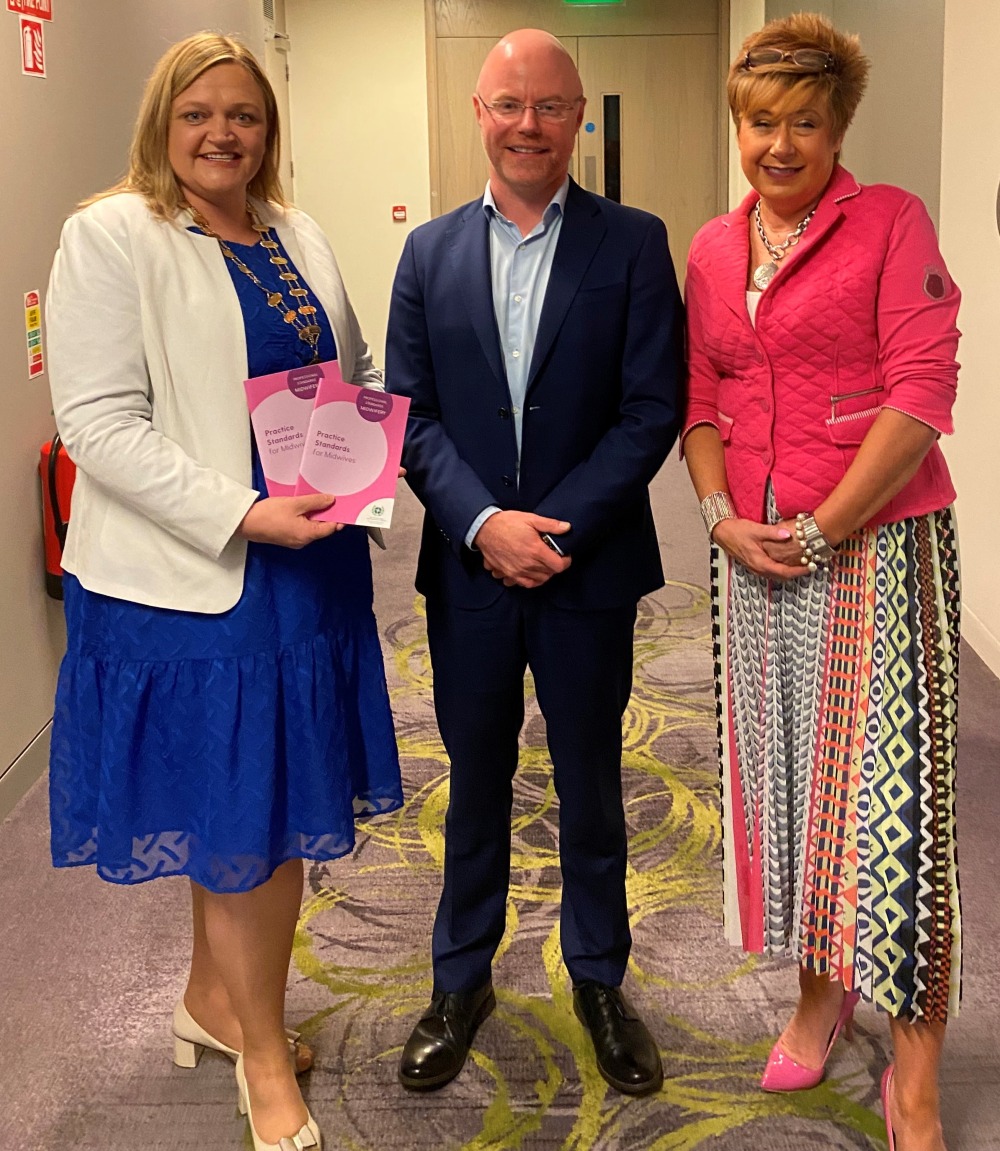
(602, 409)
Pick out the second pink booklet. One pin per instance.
(352, 449)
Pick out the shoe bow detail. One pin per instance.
(299, 1142)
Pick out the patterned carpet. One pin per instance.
(89, 971)
(363, 945)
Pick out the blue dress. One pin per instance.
(220, 746)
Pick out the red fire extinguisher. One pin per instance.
(57, 472)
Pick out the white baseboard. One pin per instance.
(982, 641)
(29, 766)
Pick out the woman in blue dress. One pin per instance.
(222, 711)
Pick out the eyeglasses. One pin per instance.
(808, 59)
(511, 110)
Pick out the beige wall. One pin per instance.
(896, 135)
(970, 168)
(745, 16)
(60, 138)
(359, 110)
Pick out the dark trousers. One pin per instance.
(582, 667)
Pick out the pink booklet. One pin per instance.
(281, 406)
(352, 450)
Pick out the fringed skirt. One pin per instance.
(837, 701)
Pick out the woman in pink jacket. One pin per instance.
(822, 345)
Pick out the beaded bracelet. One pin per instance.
(817, 550)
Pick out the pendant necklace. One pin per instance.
(301, 312)
(763, 274)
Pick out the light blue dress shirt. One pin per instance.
(519, 270)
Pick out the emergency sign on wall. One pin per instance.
(33, 330)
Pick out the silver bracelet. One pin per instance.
(716, 507)
(817, 551)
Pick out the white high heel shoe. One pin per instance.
(191, 1039)
(306, 1138)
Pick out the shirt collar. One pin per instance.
(558, 201)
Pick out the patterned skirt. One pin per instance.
(837, 702)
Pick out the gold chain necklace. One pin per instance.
(300, 314)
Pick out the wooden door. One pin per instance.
(659, 96)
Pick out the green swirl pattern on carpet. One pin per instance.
(361, 964)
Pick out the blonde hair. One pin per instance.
(842, 86)
(149, 172)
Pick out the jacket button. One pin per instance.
(759, 356)
(508, 482)
(503, 413)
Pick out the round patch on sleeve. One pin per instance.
(934, 285)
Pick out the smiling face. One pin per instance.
(217, 137)
(528, 157)
(788, 151)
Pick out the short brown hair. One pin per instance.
(149, 172)
(842, 86)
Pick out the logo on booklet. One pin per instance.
(303, 382)
(373, 406)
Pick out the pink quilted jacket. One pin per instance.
(860, 317)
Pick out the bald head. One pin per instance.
(529, 105)
(530, 56)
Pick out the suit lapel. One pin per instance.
(583, 228)
(469, 248)
(729, 260)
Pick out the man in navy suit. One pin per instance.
(537, 332)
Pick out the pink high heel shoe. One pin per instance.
(782, 1073)
(886, 1085)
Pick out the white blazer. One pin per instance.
(147, 358)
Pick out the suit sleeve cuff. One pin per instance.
(477, 523)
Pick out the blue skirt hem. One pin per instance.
(127, 876)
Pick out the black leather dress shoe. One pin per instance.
(627, 1057)
(439, 1044)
